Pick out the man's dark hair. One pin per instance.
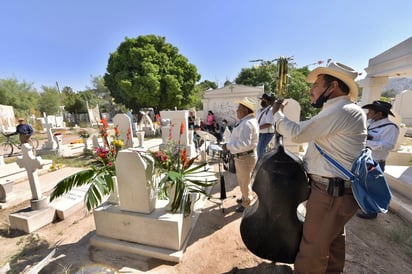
(329, 79)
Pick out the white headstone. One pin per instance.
(31, 164)
(146, 124)
(50, 143)
(136, 185)
(122, 121)
(177, 119)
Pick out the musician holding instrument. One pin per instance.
(242, 144)
(340, 130)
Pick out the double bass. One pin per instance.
(270, 228)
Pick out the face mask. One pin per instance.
(370, 121)
(263, 104)
(321, 100)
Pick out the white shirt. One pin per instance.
(339, 129)
(244, 136)
(384, 138)
(265, 116)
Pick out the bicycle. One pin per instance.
(7, 147)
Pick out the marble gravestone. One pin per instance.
(40, 213)
(140, 223)
(171, 132)
(125, 129)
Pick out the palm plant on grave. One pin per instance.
(99, 175)
(178, 173)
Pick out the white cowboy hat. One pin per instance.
(249, 103)
(340, 71)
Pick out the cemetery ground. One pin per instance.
(383, 245)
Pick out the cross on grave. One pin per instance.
(31, 164)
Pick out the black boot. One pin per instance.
(366, 215)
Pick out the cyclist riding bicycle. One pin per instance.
(24, 130)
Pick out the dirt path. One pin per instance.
(215, 245)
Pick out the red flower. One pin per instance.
(182, 128)
(183, 156)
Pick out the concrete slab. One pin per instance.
(70, 203)
(28, 220)
(21, 190)
(160, 252)
(139, 249)
(400, 181)
(158, 229)
(400, 178)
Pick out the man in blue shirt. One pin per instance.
(24, 130)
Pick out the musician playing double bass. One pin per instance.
(340, 130)
(242, 144)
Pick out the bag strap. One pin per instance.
(334, 162)
(384, 125)
(263, 113)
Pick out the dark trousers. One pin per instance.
(264, 140)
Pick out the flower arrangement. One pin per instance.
(99, 174)
(178, 174)
(118, 144)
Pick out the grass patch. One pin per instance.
(83, 160)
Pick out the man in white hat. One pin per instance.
(339, 130)
(242, 144)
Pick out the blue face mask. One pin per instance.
(321, 99)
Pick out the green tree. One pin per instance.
(196, 97)
(298, 89)
(50, 101)
(264, 74)
(148, 72)
(22, 96)
(69, 99)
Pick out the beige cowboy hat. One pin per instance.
(340, 71)
(249, 103)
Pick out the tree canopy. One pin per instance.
(267, 74)
(148, 72)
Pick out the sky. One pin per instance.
(69, 42)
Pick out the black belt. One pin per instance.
(244, 153)
(326, 180)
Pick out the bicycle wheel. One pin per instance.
(6, 149)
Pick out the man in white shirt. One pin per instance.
(382, 136)
(340, 130)
(242, 144)
(265, 120)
